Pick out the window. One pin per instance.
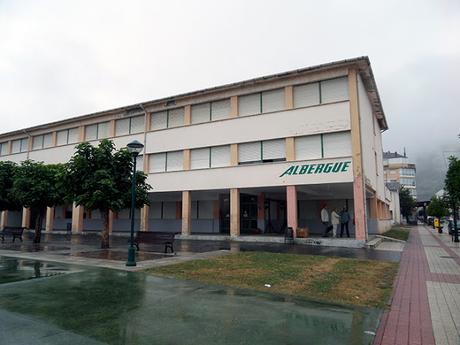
(336, 144)
(261, 102)
(4, 148)
(210, 157)
(166, 161)
(68, 136)
(201, 113)
(42, 141)
(129, 125)
(407, 181)
(220, 110)
(334, 90)
(167, 119)
(407, 172)
(97, 131)
(306, 95)
(163, 210)
(20, 145)
(262, 151)
(202, 209)
(308, 147)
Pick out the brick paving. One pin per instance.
(425, 306)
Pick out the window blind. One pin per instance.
(102, 130)
(176, 117)
(16, 146)
(308, 147)
(249, 104)
(306, 95)
(157, 162)
(220, 109)
(334, 90)
(273, 149)
(159, 120)
(249, 152)
(4, 148)
(47, 140)
(174, 160)
(137, 124)
(122, 127)
(37, 142)
(73, 136)
(201, 113)
(272, 100)
(61, 137)
(199, 158)
(24, 144)
(337, 144)
(91, 132)
(220, 156)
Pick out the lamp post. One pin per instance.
(134, 147)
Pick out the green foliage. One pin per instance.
(406, 202)
(99, 177)
(7, 198)
(37, 185)
(437, 207)
(452, 182)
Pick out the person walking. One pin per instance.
(335, 220)
(325, 220)
(344, 220)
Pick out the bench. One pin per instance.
(14, 231)
(166, 238)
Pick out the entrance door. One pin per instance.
(248, 213)
(275, 216)
(224, 213)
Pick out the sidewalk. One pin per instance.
(425, 308)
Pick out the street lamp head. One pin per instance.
(135, 147)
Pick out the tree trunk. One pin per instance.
(105, 238)
(38, 226)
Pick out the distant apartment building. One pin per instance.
(398, 168)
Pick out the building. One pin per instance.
(252, 157)
(398, 168)
(395, 208)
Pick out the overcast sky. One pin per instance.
(60, 59)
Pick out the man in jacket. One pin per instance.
(344, 220)
(325, 220)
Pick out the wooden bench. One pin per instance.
(166, 238)
(14, 231)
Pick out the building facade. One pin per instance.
(252, 157)
(398, 168)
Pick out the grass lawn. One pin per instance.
(337, 280)
(398, 233)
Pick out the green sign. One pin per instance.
(322, 168)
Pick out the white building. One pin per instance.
(398, 168)
(244, 158)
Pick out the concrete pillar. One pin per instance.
(188, 115)
(234, 106)
(186, 213)
(291, 206)
(4, 219)
(288, 97)
(25, 223)
(49, 223)
(290, 149)
(359, 198)
(261, 211)
(145, 218)
(77, 219)
(111, 218)
(233, 154)
(186, 159)
(234, 212)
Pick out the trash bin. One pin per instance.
(289, 236)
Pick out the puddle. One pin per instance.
(117, 307)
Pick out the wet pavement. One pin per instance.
(101, 306)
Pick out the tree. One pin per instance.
(437, 207)
(452, 187)
(406, 202)
(7, 197)
(99, 178)
(38, 186)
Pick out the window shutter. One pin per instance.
(16, 146)
(140, 163)
(337, 144)
(137, 124)
(157, 162)
(47, 140)
(159, 120)
(61, 137)
(249, 152)
(199, 158)
(249, 104)
(174, 160)
(272, 100)
(308, 147)
(91, 132)
(176, 117)
(24, 145)
(220, 156)
(37, 142)
(220, 110)
(201, 113)
(74, 136)
(334, 90)
(273, 149)
(306, 95)
(122, 127)
(3, 148)
(103, 130)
